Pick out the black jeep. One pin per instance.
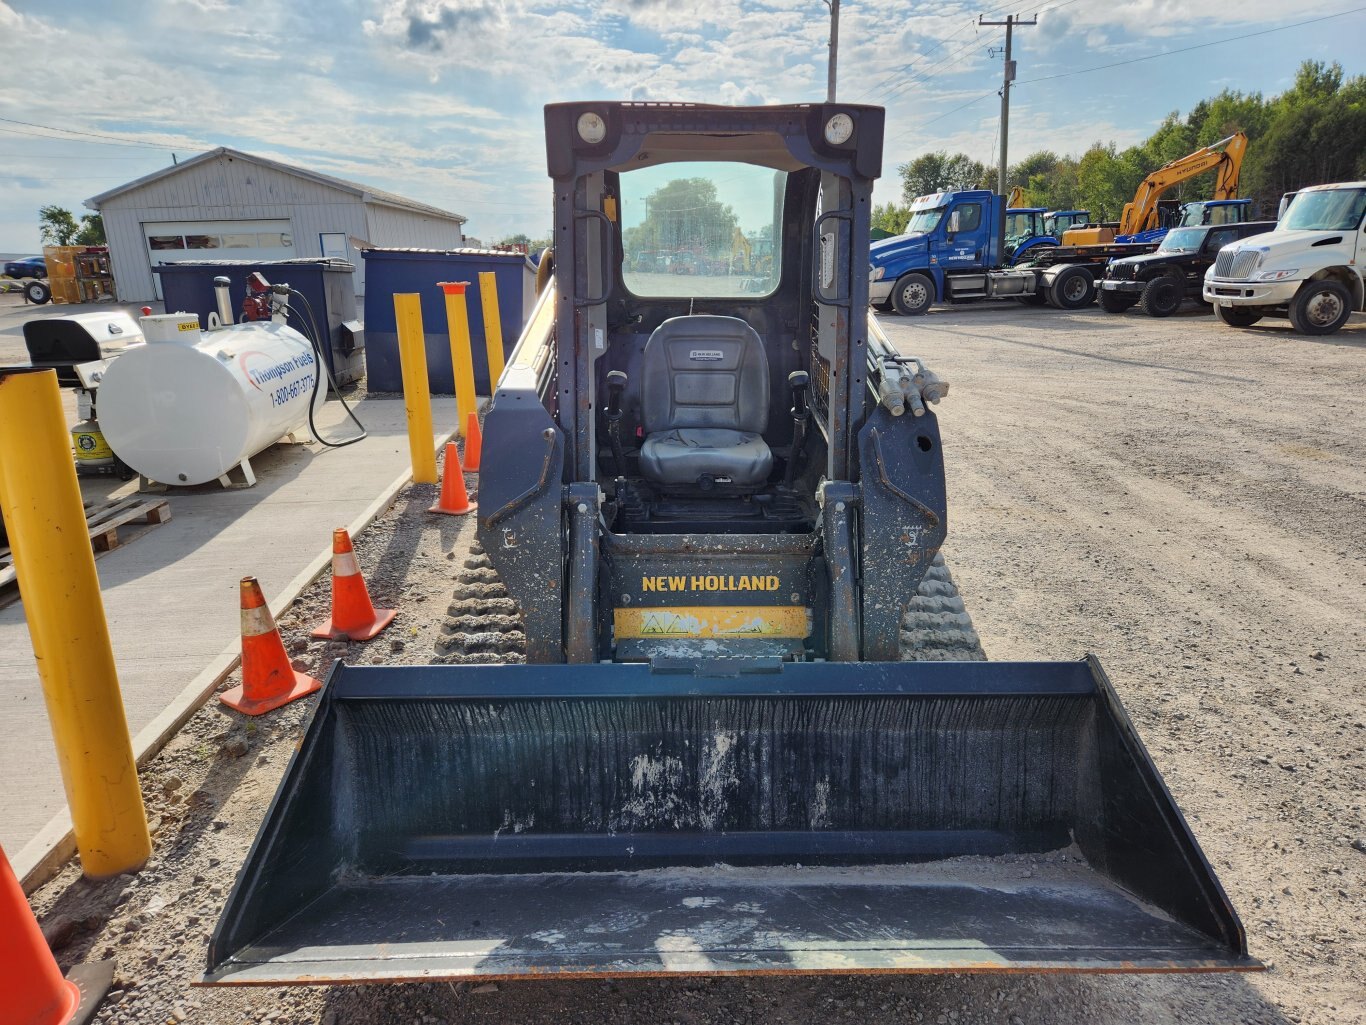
(1159, 281)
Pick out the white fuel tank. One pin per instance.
(189, 406)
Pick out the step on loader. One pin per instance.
(754, 732)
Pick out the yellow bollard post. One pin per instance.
(493, 326)
(417, 397)
(462, 359)
(41, 501)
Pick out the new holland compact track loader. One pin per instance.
(753, 733)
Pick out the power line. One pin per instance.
(937, 68)
(1188, 49)
(71, 157)
(1133, 60)
(74, 131)
(970, 24)
(947, 113)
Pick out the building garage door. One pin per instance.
(177, 241)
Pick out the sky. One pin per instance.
(440, 100)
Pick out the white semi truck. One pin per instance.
(1309, 268)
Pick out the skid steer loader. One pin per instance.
(752, 733)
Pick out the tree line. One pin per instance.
(1311, 134)
(57, 226)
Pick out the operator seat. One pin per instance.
(704, 404)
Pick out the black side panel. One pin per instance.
(519, 515)
(905, 519)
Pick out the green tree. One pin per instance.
(58, 227)
(1048, 180)
(891, 217)
(92, 231)
(1317, 132)
(1313, 133)
(683, 214)
(942, 172)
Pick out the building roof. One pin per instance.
(366, 193)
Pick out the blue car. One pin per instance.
(31, 267)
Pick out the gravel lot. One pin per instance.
(1186, 500)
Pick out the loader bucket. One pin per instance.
(492, 822)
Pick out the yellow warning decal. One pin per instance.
(714, 621)
(188, 325)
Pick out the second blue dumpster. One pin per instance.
(388, 271)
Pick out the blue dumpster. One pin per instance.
(388, 271)
(328, 285)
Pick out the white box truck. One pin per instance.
(1308, 268)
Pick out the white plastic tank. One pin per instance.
(190, 405)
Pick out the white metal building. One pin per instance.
(229, 205)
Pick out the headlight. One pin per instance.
(592, 128)
(876, 273)
(838, 129)
(1276, 275)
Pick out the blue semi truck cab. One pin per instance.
(955, 249)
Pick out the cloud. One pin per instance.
(441, 100)
(430, 25)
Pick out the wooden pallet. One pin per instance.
(103, 520)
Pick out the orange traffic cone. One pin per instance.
(268, 680)
(353, 615)
(474, 441)
(455, 501)
(34, 991)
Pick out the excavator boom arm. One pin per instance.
(1226, 155)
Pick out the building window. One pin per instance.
(201, 242)
(165, 242)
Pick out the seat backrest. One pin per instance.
(704, 371)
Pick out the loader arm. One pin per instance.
(1226, 155)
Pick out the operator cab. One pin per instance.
(704, 422)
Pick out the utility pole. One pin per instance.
(834, 6)
(1008, 77)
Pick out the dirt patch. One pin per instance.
(1136, 487)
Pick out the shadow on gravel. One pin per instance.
(1280, 330)
(881, 1000)
(91, 904)
(1097, 356)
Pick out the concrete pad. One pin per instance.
(171, 594)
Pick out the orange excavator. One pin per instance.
(1141, 213)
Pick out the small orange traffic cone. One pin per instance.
(268, 680)
(474, 441)
(455, 501)
(353, 615)
(34, 991)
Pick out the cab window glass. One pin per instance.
(965, 218)
(1218, 239)
(701, 228)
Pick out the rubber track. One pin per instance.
(937, 627)
(482, 624)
